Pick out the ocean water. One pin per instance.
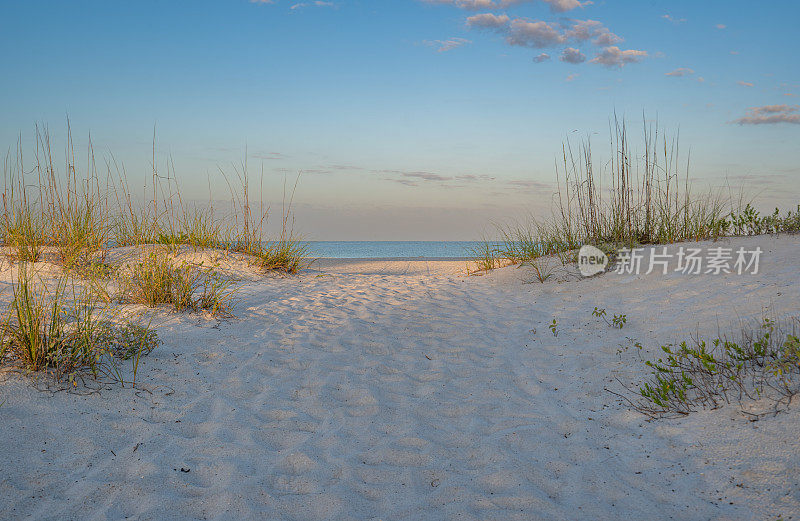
(392, 249)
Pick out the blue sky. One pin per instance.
(411, 119)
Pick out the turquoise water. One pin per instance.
(392, 249)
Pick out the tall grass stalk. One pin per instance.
(634, 199)
(155, 280)
(66, 335)
(76, 217)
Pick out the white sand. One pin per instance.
(406, 390)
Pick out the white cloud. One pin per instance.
(419, 175)
(447, 45)
(295, 7)
(583, 30)
(770, 115)
(557, 6)
(744, 83)
(542, 34)
(476, 4)
(533, 34)
(472, 5)
(487, 21)
(607, 38)
(682, 71)
(560, 6)
(613, 56)
(669, 18)
(572, 55)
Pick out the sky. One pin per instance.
(409, 119)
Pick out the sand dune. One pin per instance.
(408, 390)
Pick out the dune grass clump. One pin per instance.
(761, 362)
(74, 218)
(287, 254)
(647, 198)
(80, 229)
(542, 268)
(485, 256)
(155, 280)
(42, 209)
(45, 331)
(23, 232)
(636, 199)
(199, 229)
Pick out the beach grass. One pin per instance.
(74, 216)
(636, 199)
(157, 280)
(81, 214)
(67, 334)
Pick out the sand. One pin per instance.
(408, 390)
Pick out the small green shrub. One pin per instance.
(761, 362)
(35, 328)
(130, 340)
(286, 255)
(748, 221)
(80, 229)
(617, 321)
(553, 327)
(217, 295)
(155, 281)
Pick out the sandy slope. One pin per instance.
(406, 390)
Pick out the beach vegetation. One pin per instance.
(75, 218)
(759, 363)
(617, 321)
(156, 280)
(636, 198)
(553, 327)
(542, 268)
(485, 256)
(66, 334)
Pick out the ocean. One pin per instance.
(392, 249)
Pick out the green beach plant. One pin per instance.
(760, 362)
(23, 231)
(541, 267)
(484, 255)
(45, 331)
(645, 198)
(553, 327)
(617, 321)
(156, 280)
(76, 217)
